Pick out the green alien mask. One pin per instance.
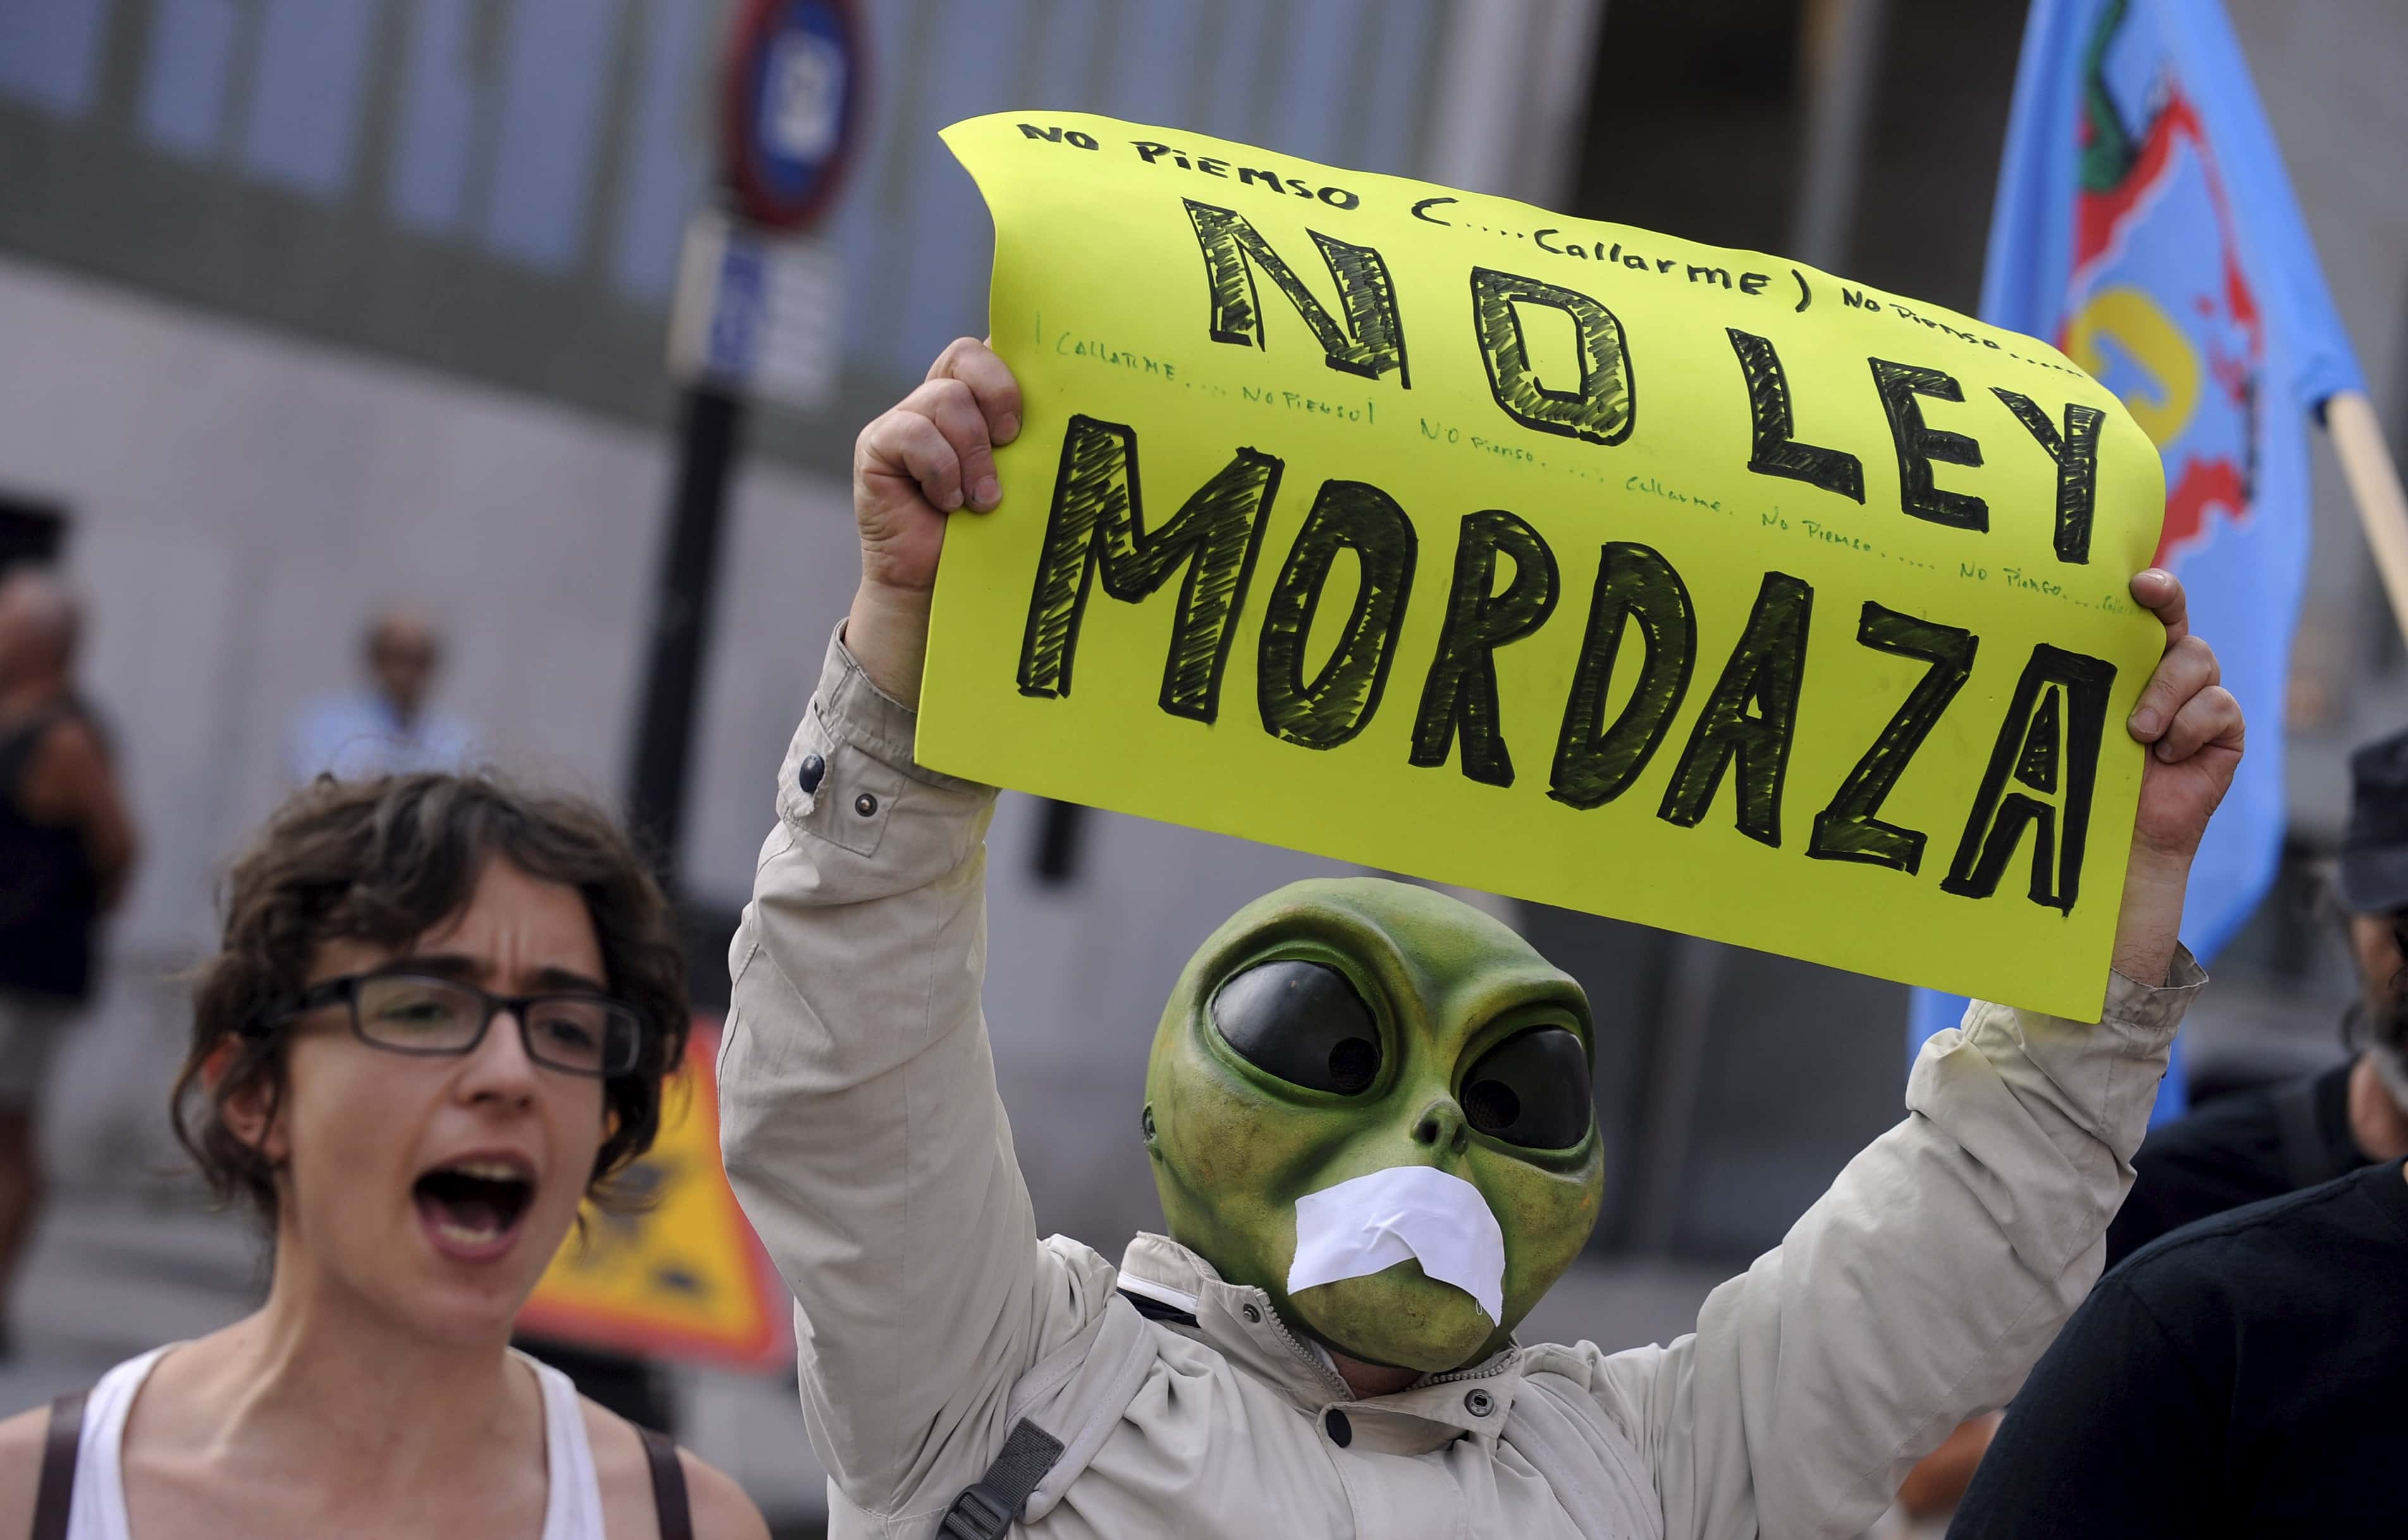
(1337, 1029)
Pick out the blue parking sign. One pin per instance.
(792, 108)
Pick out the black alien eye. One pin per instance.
(1303, 1022)
(1532, 1090)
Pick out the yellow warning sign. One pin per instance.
(684, 1275)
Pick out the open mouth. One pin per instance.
(472, 1209)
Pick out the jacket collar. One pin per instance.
(1182, 1291)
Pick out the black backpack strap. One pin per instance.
(2306, 1161)
(670, 1504)
(54, 1499)
(986, 1510)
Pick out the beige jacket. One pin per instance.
(865, 1137)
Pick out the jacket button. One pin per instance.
(1342, 1433)
(1479, 1403)
(808, 773)
(1254, 1316)
(865, 805)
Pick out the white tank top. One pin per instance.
(572, 1508)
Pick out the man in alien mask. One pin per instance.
(1368, 1117)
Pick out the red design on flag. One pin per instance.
(2218, 344)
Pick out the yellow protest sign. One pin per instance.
(682, 1276)
(1564, 559)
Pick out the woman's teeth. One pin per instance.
(450, 1227)
(489, 1170)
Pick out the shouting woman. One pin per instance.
(440, 1019)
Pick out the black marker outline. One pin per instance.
(1596, 763)
(1459, 695)
(1773, 448)
(2077, 479)
(1097, 521)
(1994, 827)
(1604, 409)
(1767, 668)
(1849, 829)
(1369, 344)
(1338, 703)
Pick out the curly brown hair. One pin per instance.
(384, 862)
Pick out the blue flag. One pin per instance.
(2144, 225)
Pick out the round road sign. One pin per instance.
(792, 108)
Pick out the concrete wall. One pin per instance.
(238, 503)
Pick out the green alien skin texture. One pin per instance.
(1234, 1147)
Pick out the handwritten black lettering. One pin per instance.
(1053, 134)
(1459, 697)
(1372, 340)
(1601, 408)
(1750, 717)
(1596, 763)
(2076, 454)
(1849, 829)
(2048, 745)
(1773, 451)
(1098, 521)
(1338, 702)
(1919, 445)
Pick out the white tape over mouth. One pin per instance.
(1406, 1213)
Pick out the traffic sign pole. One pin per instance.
(710, 428)
(792, 108)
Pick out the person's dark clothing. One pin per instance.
(2246, 1376)
(2241, 1149)
(50, 895)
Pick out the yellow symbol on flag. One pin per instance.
(2130, 320)
(682, 1276)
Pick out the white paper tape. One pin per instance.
(1406, 1213)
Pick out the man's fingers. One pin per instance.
(2161, 592)
(989, 378)
(907, 444)
(2210, 717)
(2188, 667)
(949, 404)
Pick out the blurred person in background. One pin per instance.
(2249, 1146)
(2259, 1333)
(2252, 1144)
(2239, 1376)
(384, 727)
(961, 1376)
(66, 849)
(440, 1019)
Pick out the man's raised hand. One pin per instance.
(930, 454)
(2193, 727)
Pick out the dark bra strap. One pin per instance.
(54, 1499)
(669, 1487)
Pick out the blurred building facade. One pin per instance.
(309, 306)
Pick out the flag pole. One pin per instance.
(2374, 486)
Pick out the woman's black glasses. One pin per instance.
(430, 1015)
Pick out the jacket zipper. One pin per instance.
(1496, 1365)
(1329, 1378)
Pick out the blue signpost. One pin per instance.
(791, 114)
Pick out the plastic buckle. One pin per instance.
(977, 1514)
